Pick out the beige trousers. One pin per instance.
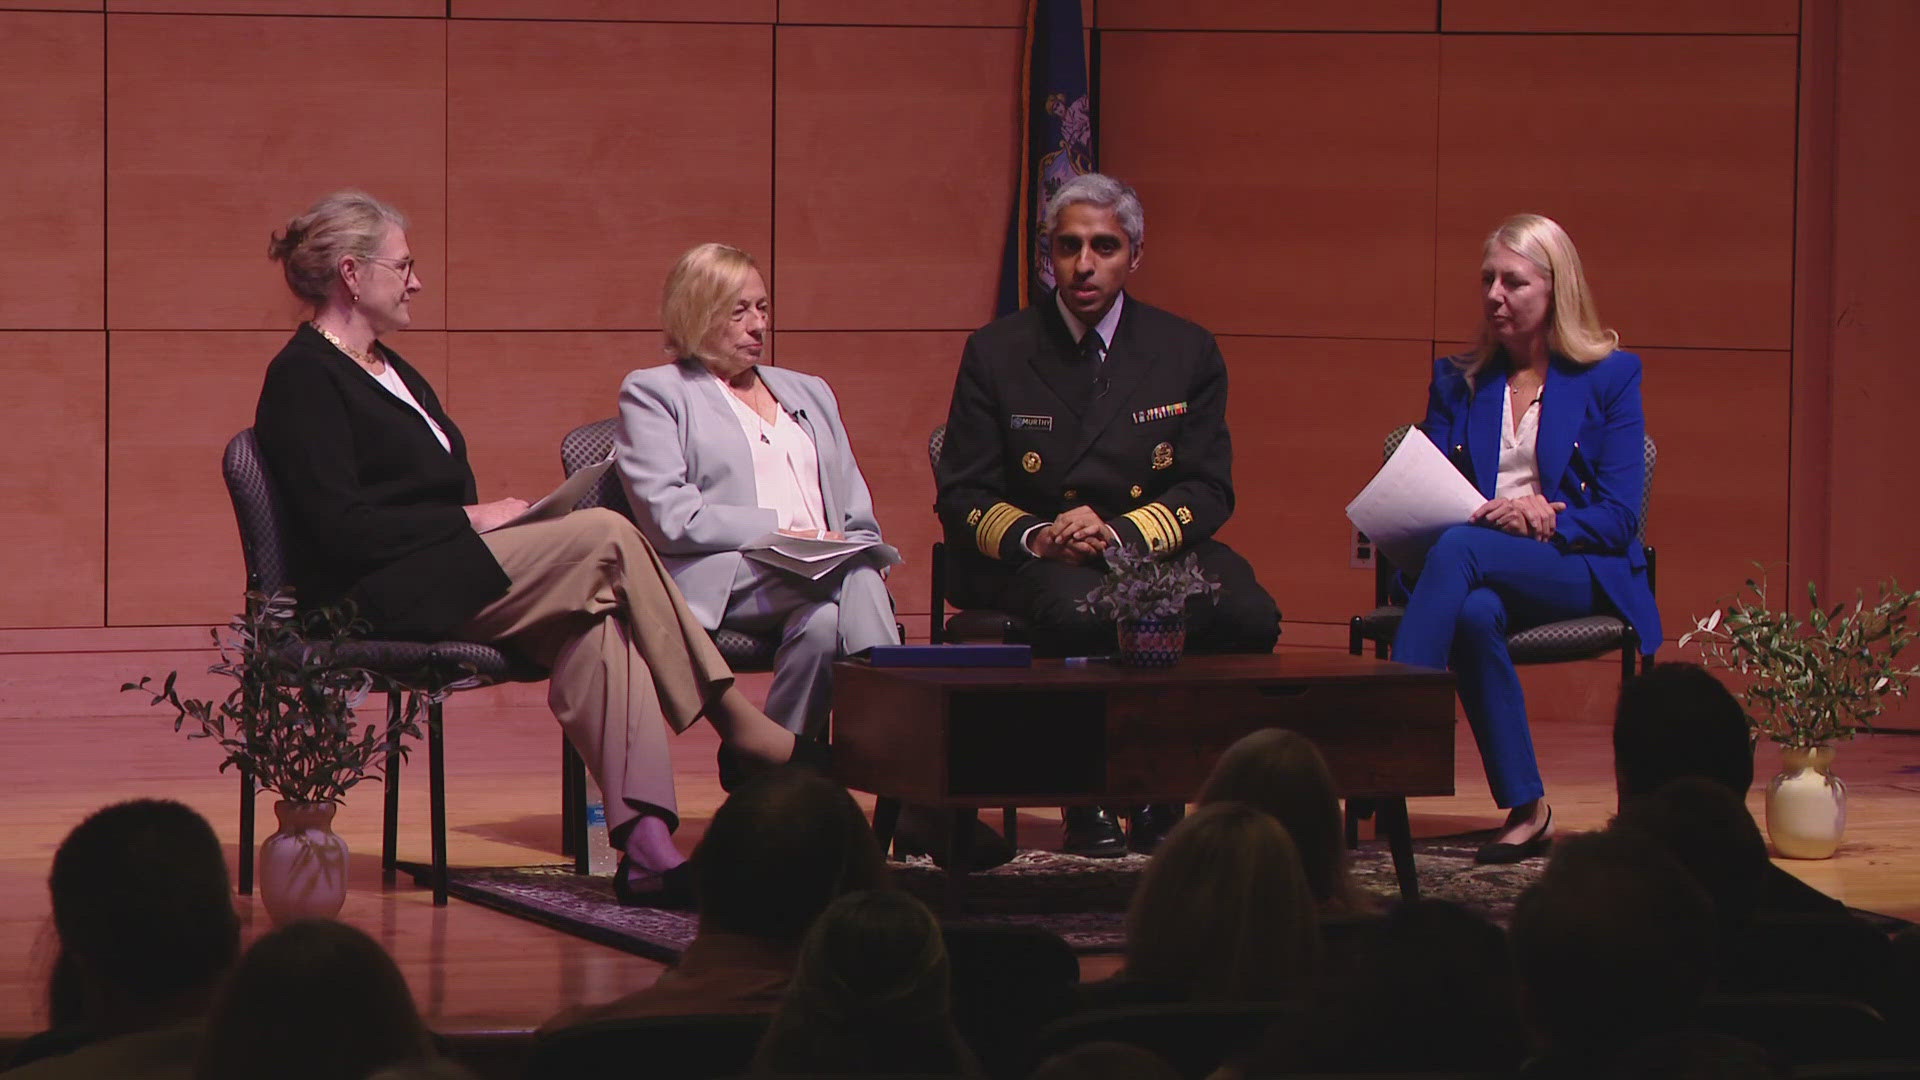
(591, 602)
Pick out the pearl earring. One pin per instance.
(356, 298)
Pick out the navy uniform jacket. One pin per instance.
(1027, 438)
(1591, 456)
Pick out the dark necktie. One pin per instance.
(1095, 350)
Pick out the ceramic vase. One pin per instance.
(303, 865)
(1806, 804)
(1152, 642)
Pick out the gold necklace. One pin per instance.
(366, 360)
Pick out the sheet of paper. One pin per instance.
(561, 500)
(814, 559)
(1416, 496)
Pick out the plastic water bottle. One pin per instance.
(601, 858)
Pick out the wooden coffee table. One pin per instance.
(1068, 734)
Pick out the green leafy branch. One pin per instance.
(1812, 682)
(290, 716)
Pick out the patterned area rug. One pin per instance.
(1082, 900)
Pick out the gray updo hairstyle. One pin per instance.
(310, 248)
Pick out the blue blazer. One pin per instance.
(1591, 456)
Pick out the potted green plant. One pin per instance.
(289, 720)
(1810, 683)
(1148, 600)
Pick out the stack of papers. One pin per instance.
(561, 500)
(1416, 496)
(814, 559)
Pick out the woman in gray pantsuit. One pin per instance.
(717, 451)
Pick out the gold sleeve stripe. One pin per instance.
(1150, 528)
(1168, 522)
(993, 528)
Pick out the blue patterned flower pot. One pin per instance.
(1154, 642)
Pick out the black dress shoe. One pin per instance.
(926, 830)
(1498, 854)
(736, 767)
(676, 889)
(1152, 823)
(1093, 833)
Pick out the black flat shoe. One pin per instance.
(1494, 853)
(676, 891)
(1093, 833)
(736, 767)
(1151, 824)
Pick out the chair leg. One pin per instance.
(575, 826)
(1391, 818)
(572, 803)
(437, 798)
(1010, 826)
(246, 832)
(1356, 811)
(886, 818)
(390, 823)
(1355, 642)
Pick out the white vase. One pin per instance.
(303, 865)
(1806, 804)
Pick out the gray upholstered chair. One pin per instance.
(1584, 638)
(966, 624)
(589, 443)
(400, 667)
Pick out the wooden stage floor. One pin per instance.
(474, 969)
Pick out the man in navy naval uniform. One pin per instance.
(1087, 420)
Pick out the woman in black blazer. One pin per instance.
(384, 513)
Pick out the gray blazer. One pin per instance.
(688, 472)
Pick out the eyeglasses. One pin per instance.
(403, 267)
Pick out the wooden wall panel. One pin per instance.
(893, 175)
(416, 8)
(1287, 179)
(211, 146)
(1308, 416)
(53, 182)
(515, 394)
(1719, 419)
(757, 11)
(584, 159)
(53, 428)
(893, 390)
(1621, 16)
(1874, 493)
(918, 13)
(1670, 161)
(1314, 15)
(51, 5)
(173, 552)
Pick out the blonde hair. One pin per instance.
(1574, 329)
(698, 294)
(1281, 772)
(310, 248)
(1223, 912)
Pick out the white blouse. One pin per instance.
(398, 388)
(786, 467)
(1519, 465)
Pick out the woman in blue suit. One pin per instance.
(1544, 416)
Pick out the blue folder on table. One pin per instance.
(984, 655)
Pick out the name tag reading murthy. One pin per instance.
(1031, 423)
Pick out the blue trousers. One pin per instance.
(1480, 584)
